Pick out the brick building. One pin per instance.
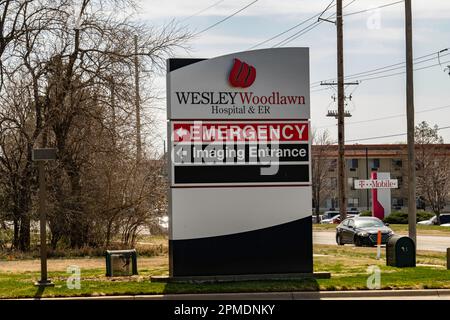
(361, 160)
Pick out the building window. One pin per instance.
(353, 202)
(397, 164)
(351, 182)
(374, 164)
(400, 182)
(333, 182)
(333, 165)
(352, 164)
(397, 203)
(331, 203)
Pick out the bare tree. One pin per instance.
(66, 84)
(433, 166)
(321, 147)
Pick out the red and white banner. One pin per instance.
(239, 131)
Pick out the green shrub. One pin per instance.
(424, 215)
(397, 217)
(366, 213)
(400, 217)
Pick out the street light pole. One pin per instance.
(41, 155)
(410, 123)
(43, 225)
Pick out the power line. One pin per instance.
(317, 83)
(390, 135)
(299, 33)
(387, 75)
(295, 26)
(403, 72)
(328, 7)
(312, 26)
(226, 18)
(303, 31)
(307, 29)
(371, 9)
(284, 32)
(387, 117)
(203, 10)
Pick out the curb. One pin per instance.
(299, 295)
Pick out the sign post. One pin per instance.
(240, 175)
(41, 155)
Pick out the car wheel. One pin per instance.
(357, 241)
(339, 240)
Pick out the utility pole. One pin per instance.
(137, 102)
(410, 123)
(341, 115)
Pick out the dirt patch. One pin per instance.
(83, 263)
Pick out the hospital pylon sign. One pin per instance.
(381, 193)
(240, 173)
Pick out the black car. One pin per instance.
(362, 231)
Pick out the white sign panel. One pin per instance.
(376, 184)
(259, 84)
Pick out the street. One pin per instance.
(429, 243)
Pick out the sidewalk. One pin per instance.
(431, 294)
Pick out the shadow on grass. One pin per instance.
(39, 292)
(307, 284)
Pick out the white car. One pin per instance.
(336, 219)
(164, 222)
(327, 221)
(328, 215)
(445, 220)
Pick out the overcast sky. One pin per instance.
(372, 39)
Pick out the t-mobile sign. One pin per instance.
(240, 195)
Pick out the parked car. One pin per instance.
(164, 222)
(362, 231)
(329, 214)
(444, 219)
(330, 220)
(336, 219)
(354, 212)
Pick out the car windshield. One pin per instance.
(369, 223)
(444, 218)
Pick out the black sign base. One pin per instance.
(280, 249)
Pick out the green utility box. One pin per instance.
(121, 263)
(400, 252)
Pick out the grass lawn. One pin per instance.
(348, 266)
(398, 228)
